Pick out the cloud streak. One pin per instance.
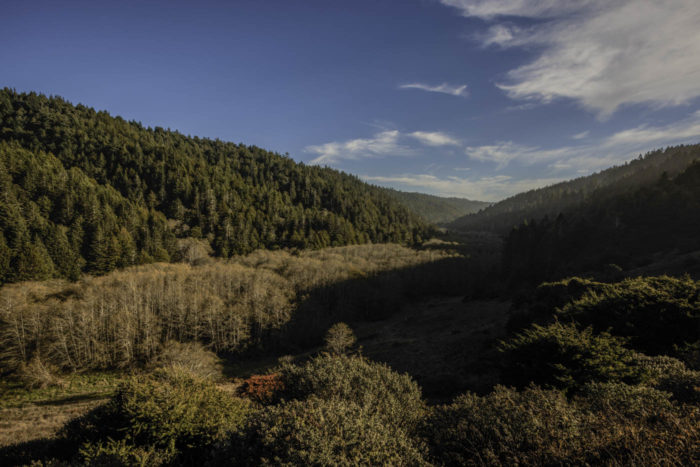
(434, 138)
(386, 143)
(491, 188)
(603, 54)
(444, 88)
(584, 158)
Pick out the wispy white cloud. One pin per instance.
(602, 53)
(492, 188)
(503, 153)
(386, 143)
(582, 135)
(434, 138)
(526, 8)
(444, 88)
(687, 130)
(585, 158)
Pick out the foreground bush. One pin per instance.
(608, 424)
(324, 432)
(562, 356)
(670, 375)
(371, 386)
(507, 427)
(166, 418)
(635, 425)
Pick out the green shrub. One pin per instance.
(606, 424)
(324, 432)
(562, 356)
(625, 400)
(539, 306)
(122, 452)
(507, 427)
(372, 386)
(636, 425)
(670, 375)
(190, 357)
(660, 315)
(168, 416)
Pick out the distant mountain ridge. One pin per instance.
(437, 209)
(549, 201)
(83, 191)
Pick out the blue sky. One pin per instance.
(470, 98)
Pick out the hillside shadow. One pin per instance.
(414, 319)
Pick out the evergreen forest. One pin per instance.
(83, 191)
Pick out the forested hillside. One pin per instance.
(625, 230)
(551, 200)
(84, 191)
(437, 209)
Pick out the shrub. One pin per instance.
(634, 425)
(539, 306)
(625, 400)
(324, 432)
(660, 315)
(170, 416)
(532, 427)
(562, 356)
(372, 386)
(670, 375)
(190, 357)
(262, 389)
(606, 424)
(340, 338)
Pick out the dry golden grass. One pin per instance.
(32, 422)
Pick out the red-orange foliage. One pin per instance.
(261, 388)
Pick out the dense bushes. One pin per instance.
(609, 424)
(346, 410)
(396, 398)
(660, 315)
(506, 427)
(565, 357)
(169, 417)
(333, 431)
(336, 410)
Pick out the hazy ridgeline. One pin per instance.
(125, 317)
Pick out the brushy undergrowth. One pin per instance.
(168, 417)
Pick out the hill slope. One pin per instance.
(629, 230)
(551, 200)
(120, 193)
(437, 209)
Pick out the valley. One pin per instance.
(166, 298)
